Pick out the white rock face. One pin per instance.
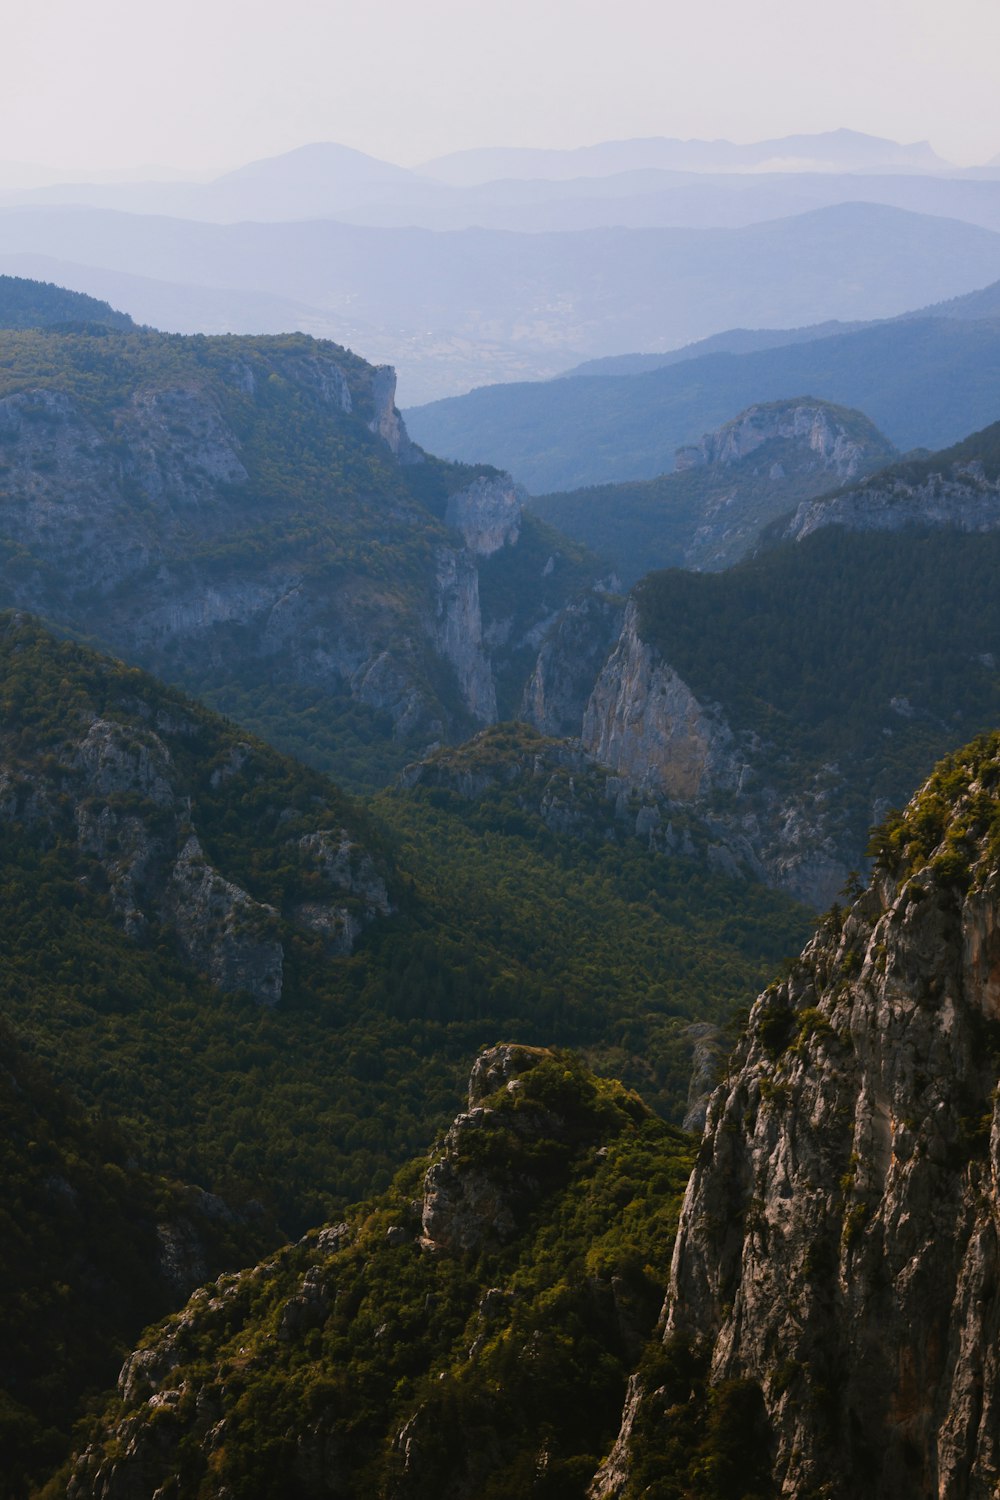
(487, 513)
(387, 423)
(459, 631)
(963, 497)
(806, 422)
(644, 722)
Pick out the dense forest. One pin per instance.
(41, 304)
(289, 1112)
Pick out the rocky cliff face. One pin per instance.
(961, 495)
(839, 1243)
(487, 513)
(117, 787)
(249, 515)
(570, 659)
(839, 442)
(645, 723)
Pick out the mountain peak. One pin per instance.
(319, 161)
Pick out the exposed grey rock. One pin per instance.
(961, 497)
(839, 1241)
(487, 513)
(644, 722)
(468, 1203)
(222, 929)
(387, 423)
(459, 632)
(812, 424)
(708, 1052)
(570, 659)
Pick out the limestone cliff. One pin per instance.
(837, 440)
(839, 1243)
(644, 723)
(248, 518)
(487, 513)
(568, 663)
(957, 493)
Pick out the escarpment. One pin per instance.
(836, 1259)
(248, 518)
(791, 699)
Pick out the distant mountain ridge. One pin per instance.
(842, 148)
(924, 380)
(461, 307)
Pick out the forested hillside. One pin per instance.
(245, 983)
(40, 304)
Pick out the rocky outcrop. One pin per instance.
(487, 513)
(839, 1243)
(447, 1349)
(840, 442)
(474, 1195)
(386, 422)
(117, 787)
(644, 722)
(222, 930)
(961, 495)
(347, 868)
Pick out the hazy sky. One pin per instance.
(213, 83)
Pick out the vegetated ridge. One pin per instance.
(241, 1001)
(468, 1333)
(38, 304)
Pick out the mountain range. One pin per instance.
(924, 380)
(238, 1002)
(458, 283)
